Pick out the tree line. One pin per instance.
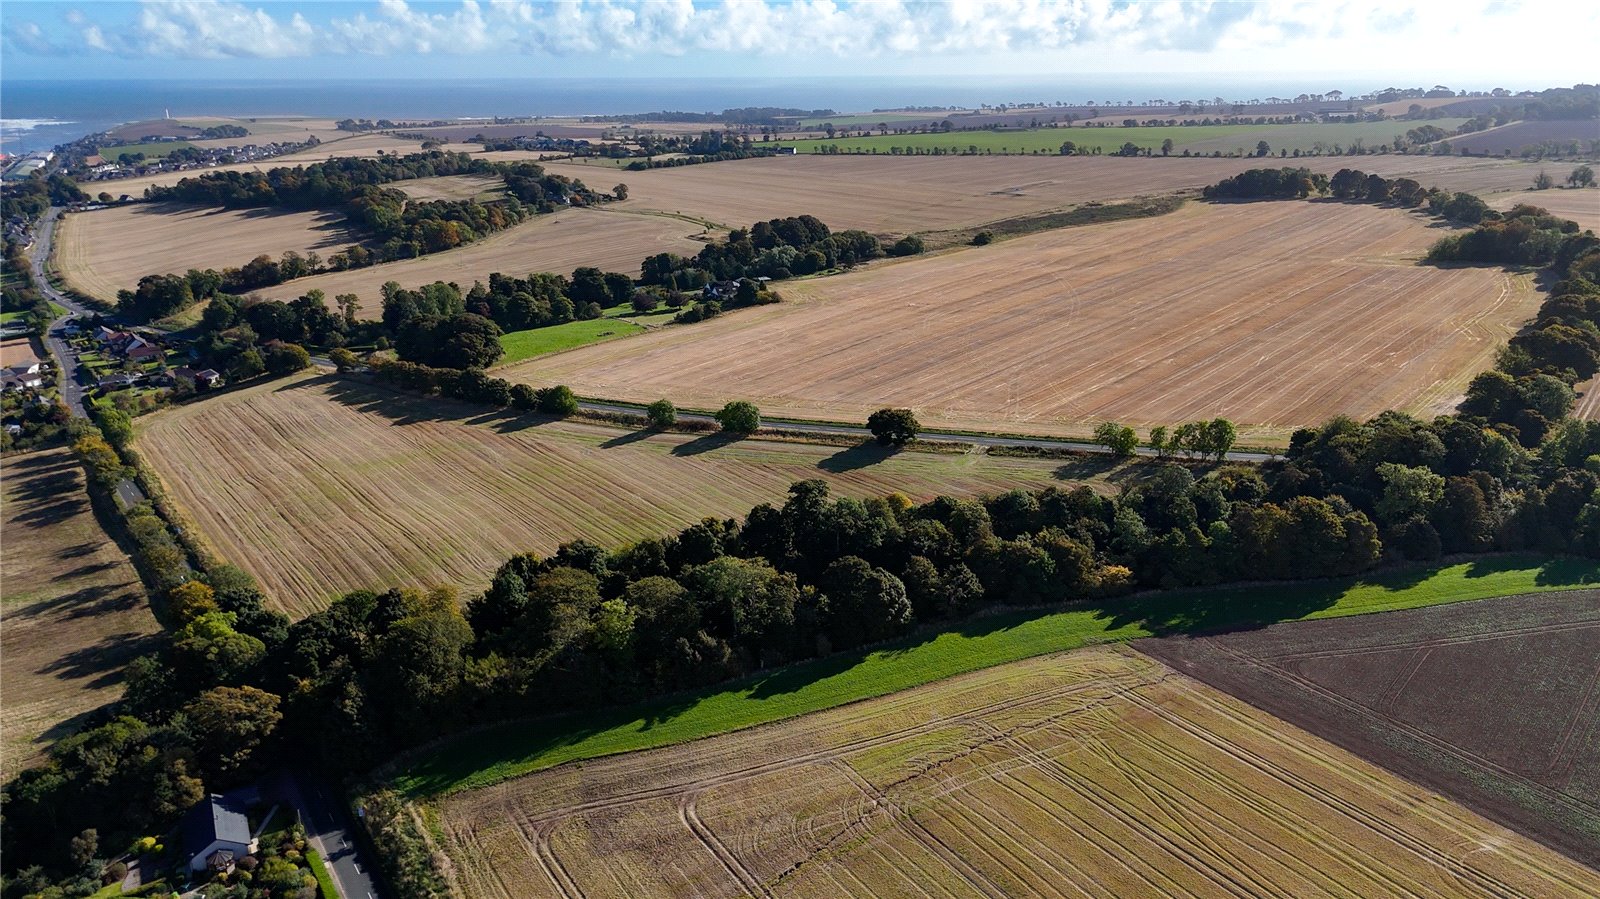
(396, 227)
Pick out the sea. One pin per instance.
(39, 114)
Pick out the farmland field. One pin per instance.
(1582, 206)
(1097, 772)
(319, 485)
(521, 345)
(900, 194)
(1275, 315)
(108, 250)
(1513, 137)
(453, 187)
(1111, 137)
(559, 243)
(74, 609)
(1495, 704)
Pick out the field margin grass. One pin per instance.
(501, 752)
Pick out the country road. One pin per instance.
(837, 430)
(73, 392)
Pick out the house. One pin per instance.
(200, 379)
(22, 376)
(117, 382)
(144, 352)
(720, 290)
(104, 334)
(216, 834)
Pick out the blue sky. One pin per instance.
(1464, 43)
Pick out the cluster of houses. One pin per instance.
(97, 168)
(142, 349)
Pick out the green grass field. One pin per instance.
(153, 150)
(520, 748)
(520, 345)
(1195, 138)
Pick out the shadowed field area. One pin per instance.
(74, 610)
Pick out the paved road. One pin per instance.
(73, 392)
(327, 827)
(814, 427)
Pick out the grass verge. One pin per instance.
(520, 345)
(320, 872)
(518, 748)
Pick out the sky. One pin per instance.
(1473, 44)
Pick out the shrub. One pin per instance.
(557, 400)
(661, 414)
(910, 245)
(983, 238)
(739, 417)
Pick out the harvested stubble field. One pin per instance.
(1493, 703)
(1092, 773)
(560, 242)
(1582, 205)
(107, 250)
(454, 187)
(1275, 315)
(319, 485)
(901, 194)
(73, 606)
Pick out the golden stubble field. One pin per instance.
(558, 242)
(1581, 205)
(1093, 773)
(107, 250)
(74, 610)
(902, 194)
(319, 485)
(1275, 315)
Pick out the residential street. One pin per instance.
(327, 828)
(73, 392)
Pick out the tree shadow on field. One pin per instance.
(630, 437)
(102, 661)
(705, 444)
(862, 455)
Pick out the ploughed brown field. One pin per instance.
(1275, 315)
(1092, 773)
(73, 607)
(107, 250)
(1495, 704)
(319, 485)
(559, 242)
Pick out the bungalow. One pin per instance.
(144, 352)
(720, 290)
(201, 379)
(117, 381)
(216, 834)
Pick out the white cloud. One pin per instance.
(1299, 33)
